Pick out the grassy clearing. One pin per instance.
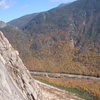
(78, 91)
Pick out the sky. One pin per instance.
(11, 9)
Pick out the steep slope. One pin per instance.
(76, 16)
(65, 39)
(16, 82)
(80, 19)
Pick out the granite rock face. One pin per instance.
(15, 80)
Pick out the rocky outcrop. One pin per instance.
(15, 80)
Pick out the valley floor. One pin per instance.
(53, 93)
(88, 89)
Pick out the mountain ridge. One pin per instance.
(22, 20)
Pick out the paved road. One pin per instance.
(33, 73)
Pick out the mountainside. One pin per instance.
(64, 39)
(71, 18)
(79, 21)
(21, 22)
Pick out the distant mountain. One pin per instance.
(78, 19)
(2, 24)
(63, 4)
(61, 18)
(17, 38)
(22, 21)
(64, 39)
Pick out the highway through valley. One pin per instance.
(59, 75)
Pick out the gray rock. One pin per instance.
(15, 80)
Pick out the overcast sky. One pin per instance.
(11, 9)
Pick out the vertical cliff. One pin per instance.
(15, 80)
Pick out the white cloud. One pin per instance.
(62, 1)
(5, 4)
